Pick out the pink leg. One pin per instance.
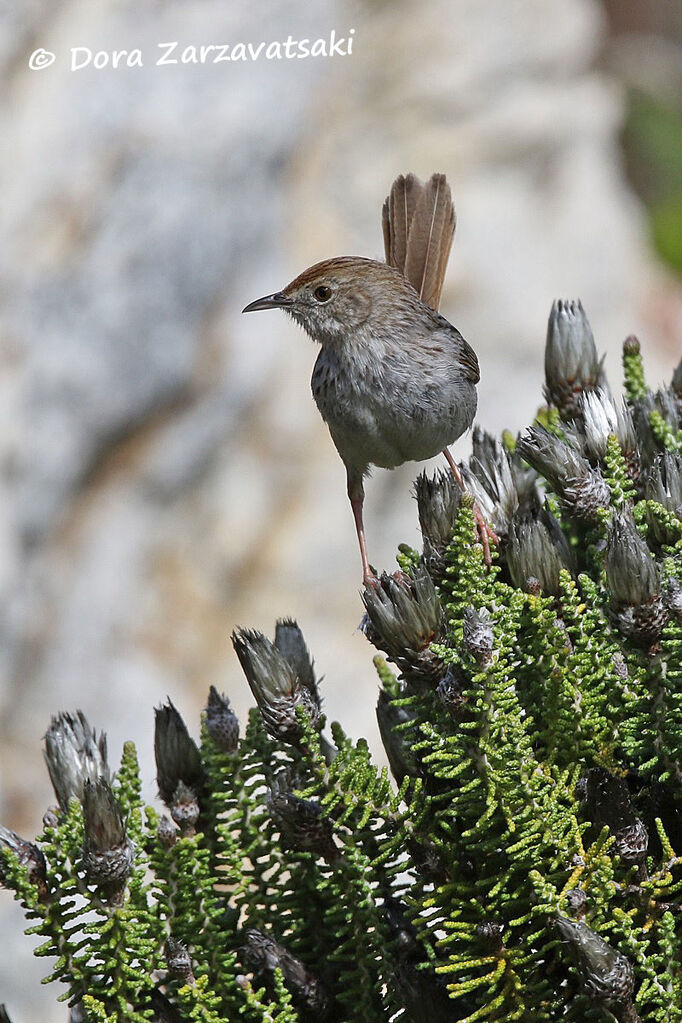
(485, 530)
(356, 493)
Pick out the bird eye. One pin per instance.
(322, 293)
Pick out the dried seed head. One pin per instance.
(29, 856)
(222, 723)
(178, 961)
(672, 597)
(177, 756)
(664, 485)
(502, 486)
(275, 685)
(478, 635)
(301, 823)
(634, 582)
(582, 489)
(536, 554)
(572, 365)
(264, 955)
(291, 644)
(452, 691)
(74, 754)
(396, 742)
(490, 932)
(602, 417)
(438, 499)
(108, 853)
(632, 842)
(605, 974)
(403, 618)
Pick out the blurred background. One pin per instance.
(164, 473)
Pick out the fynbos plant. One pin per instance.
(526, 862)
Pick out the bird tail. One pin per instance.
(419, 225)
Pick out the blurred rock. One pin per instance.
(164, 473)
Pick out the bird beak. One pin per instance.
(277, 301)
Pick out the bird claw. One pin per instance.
(486, 534)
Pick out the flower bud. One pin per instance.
(572, 365)
(29, 856)
(634, 582)
(166, 832)
(396, 742)
(74, 754)
(275, 685)
(178, 961)
(403, 618)
(108, 853)
(222, 723)
(177, 756)
(605, 974)
(536, 554)
(576, 902)
(582, 489)
(301, 822)
(184, 809)
(264, 955)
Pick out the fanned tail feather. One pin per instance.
(419, 225)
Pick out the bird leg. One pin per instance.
(485, 530)
(356, 494)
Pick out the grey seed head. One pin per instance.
(275, 685)
(478, 637)
(605, 974)
(108, 853)
(538, 551)
(403, 617)
(664, 485)
(438, 500)
(582, 489)
(177, 755)
(572, 365)
(632, 574)
(601, 417)
(301, 823)
(291, 644)
(502, 486)
(74, 754)
(29, 856)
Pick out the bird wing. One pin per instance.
(419, 225)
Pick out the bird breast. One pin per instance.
(390, 405)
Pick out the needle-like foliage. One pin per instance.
(525, 860)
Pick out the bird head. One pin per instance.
(339, 296)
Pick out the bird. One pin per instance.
(394, 380)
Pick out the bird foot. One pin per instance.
(486, 534)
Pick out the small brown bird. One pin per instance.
(394, 381)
